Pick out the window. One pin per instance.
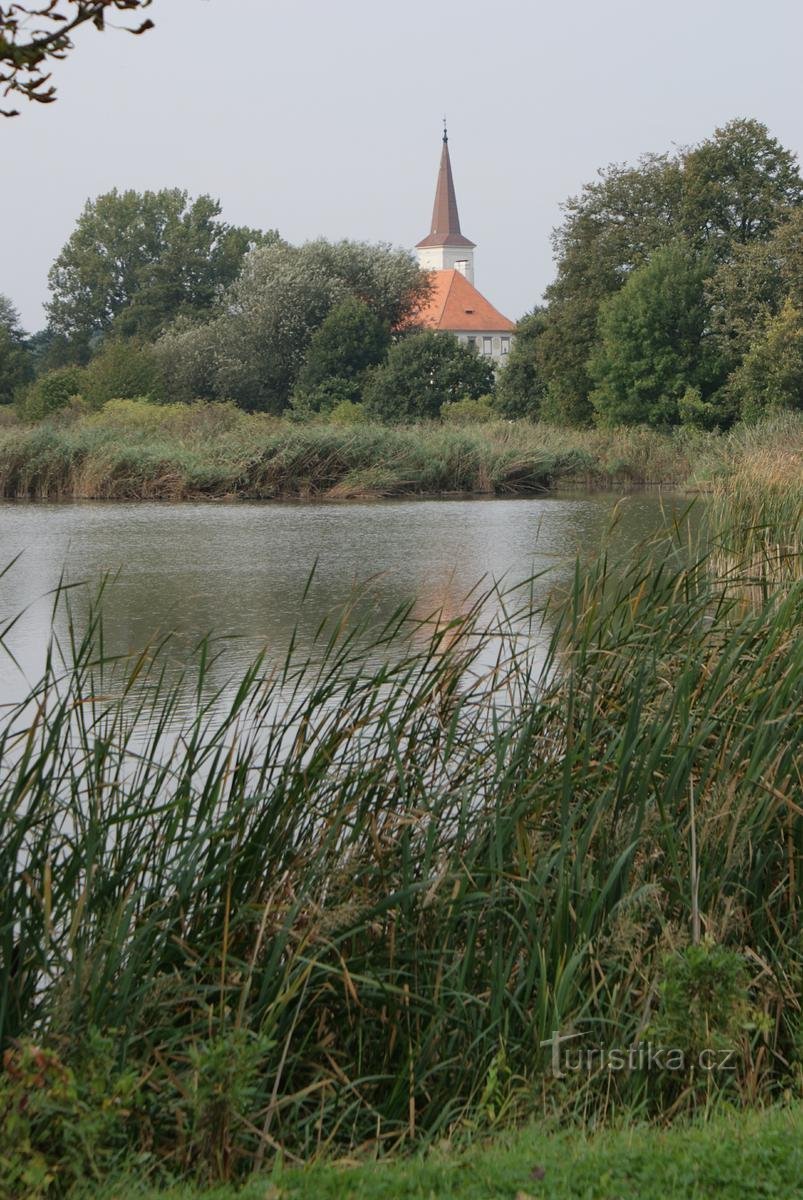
(472, 343)
(505, 345)
(487, 345)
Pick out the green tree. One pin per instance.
(608, 230)
(730, 191)
(350, 340)
(121, 370)
(137, 260)
(33, 35)
(15, 356)
(771, 374)
(748, 290)
(654, 341)
(520, 386)
(423, 371)
(253, 350)
(51, 392)
(737, 186)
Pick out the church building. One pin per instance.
(455, 304)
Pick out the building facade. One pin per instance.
(455, 304)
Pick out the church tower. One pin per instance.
(444, 248)
(454, 304)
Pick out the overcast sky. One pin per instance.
(324, 119)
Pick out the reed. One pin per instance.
(340, 904)
(136, 450)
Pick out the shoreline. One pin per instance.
(136, 451)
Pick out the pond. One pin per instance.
(240, 570)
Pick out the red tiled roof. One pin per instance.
(445, 229)
(455, 304)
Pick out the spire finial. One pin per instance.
(445, 134)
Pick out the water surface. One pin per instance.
(240, 570)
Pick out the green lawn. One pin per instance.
(734, 1156)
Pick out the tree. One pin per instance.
(27, 50)
(253, 351)
(350, 340)
(137, 260)
(737, 186)
(610, 229)
(15, 356)
(423, 371)
(122, 370)
(520, 386)
(771, 375)
(654, 341)
(748, 290)
(51, 392)
(730, 191)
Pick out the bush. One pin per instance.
(423, 371)
(51, 392)
(348, 413)
(121, 370)
(468, 411)
(698, 413)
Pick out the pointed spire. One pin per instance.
(445, 230)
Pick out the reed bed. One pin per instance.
(136, 450)
(756, 516)
(342, 905)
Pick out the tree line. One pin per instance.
(678, 299)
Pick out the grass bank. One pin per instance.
(740, 1156)
(133, 450)
(345, 906)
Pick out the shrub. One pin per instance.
(468, 411)
(51, 392)
(423, 371)
(348, 413)
(121, 370)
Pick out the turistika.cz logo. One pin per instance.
(567, 1057)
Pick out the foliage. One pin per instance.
(737, 186)
(346, 412)
(608, 230)
(771, 373)
(469, 411)
(254, 350)
(51, 392)
(698, 413)
(27, 51)
(520, 386)
(120, 370)
(349, 341)
(59, 1127)
(15, 355)
(750, 288)
(137, 260)
(704, 1002)
(423, 372)
(653, 345)
(731, 191)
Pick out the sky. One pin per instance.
(324, 119)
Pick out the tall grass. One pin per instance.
(345, 904)
(756, 513)
(135, 450)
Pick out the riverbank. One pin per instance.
(132, 450)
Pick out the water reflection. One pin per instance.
(241, 570)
